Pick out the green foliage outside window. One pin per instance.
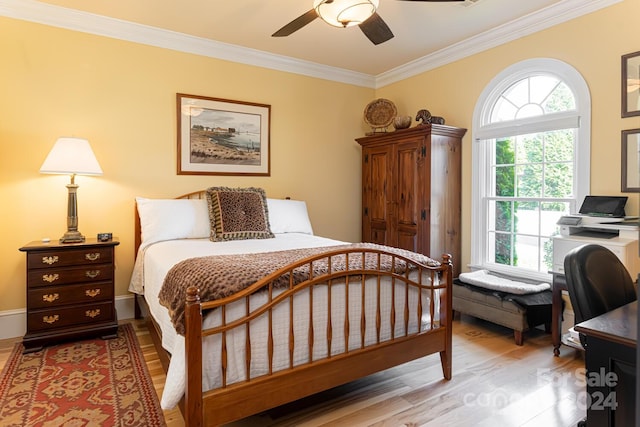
(535, 166)
(505, 186)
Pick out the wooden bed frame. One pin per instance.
(241, 399)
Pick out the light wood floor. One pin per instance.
(495, 383)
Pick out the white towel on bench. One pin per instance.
(484, 279)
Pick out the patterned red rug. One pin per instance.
(86, 383)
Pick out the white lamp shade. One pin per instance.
(71, 156)
(345, 13)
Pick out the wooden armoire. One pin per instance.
(411, 190)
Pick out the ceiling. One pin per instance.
(421, 29)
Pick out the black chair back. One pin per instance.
(597, 281)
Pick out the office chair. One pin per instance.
(597, 281)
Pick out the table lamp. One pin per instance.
(71, 156)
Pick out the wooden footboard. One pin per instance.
(222, 404)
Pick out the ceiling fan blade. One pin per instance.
(376, 29)
(296, 24)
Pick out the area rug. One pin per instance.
(93, 382)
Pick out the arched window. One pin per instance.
(531, 156)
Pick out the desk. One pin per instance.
(625, 247)
(611, 366)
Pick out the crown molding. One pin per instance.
(70, 19)
(47, 14)
(545, 18)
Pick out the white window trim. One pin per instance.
(486, 100)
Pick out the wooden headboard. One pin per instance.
(201, 194)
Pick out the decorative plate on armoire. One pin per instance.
(379, 114)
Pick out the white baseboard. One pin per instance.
(14, 321)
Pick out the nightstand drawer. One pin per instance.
(42, 320)
(80, 256)
(60, 276)
(55, 296)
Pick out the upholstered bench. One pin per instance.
(517, 312)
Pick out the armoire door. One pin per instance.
(407, 198)
(377, 195)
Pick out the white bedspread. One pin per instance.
(157, 259)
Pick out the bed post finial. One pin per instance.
(193, 294)
(446, 259)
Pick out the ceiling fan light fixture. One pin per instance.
(345, 13)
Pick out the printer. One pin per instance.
(600, 217)
(601, 220)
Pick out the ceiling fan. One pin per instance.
(347, 13)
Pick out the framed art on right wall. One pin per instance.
(631, 84)
(630, 180)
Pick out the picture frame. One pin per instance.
(631, 84)
(630, 179)
(222, 137)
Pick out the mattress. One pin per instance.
(155, 260)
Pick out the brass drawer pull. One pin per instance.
(92, 256)
(92, 292)
(50, 319)
(50, 278)
(92, 313)
(50, 259)
(50, 298)
(92, 274)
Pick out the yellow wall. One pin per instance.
(592, 44)
(121, 97)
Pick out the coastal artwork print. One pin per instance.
(222, 137)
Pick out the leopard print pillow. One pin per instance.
(238, 214)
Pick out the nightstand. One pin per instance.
(70, 292)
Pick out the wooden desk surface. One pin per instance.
(619, 325)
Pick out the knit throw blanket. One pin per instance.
(219, 276)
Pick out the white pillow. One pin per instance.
(169, 219)
(288, 216)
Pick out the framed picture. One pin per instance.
(631, 161)
(631, 84)
(222, 137)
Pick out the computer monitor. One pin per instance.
(609, 206)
